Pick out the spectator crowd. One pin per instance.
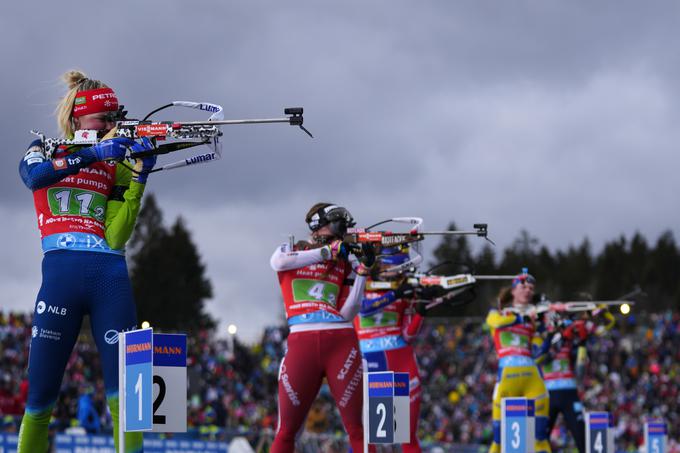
(633, 372)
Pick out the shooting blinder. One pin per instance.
(118, 115)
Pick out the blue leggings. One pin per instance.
(569, 404)
(75, 284)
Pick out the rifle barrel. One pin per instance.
(440, 233)
(600, 302)
(227, 122)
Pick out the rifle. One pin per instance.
(581, 305)
(454, 284)
(392, 239)
(567, 307)
(356, 237)
(454, 281)
(191, 133)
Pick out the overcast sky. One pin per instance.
(558, 117)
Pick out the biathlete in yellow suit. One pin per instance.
(519, 349)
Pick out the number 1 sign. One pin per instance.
(135, 379)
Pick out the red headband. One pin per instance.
(94, 101)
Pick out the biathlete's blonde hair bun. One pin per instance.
(73, 78)
(75, 81)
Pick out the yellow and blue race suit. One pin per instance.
(519, 349)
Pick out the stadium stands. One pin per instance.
(633, 372)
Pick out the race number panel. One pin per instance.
(597, 433)
(402, 409)
(169, 383)
(656, 437)
(386, 408)
(517, 425)
(380, 400)
(136, 352)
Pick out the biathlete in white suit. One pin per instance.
(320, 302)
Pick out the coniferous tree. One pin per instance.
(620, 267)
(522, 253)
(485, 264)
(637, 258)
(455, 252)
(574, 272)
(149, 226)
(167, 274)
(661, 279)
(455, 256)
(611, 270)
(485, 261)
(544, 267)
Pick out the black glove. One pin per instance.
(420, 308)
(405, 290)
(427, 292)
(367, 255)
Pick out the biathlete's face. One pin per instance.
(523, 293)
(95, 121)
(323, 234)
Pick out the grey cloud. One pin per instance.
(556, 117)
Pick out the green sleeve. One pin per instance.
(121, 211)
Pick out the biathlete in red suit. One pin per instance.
(563, 365)
(320, 305)
(386, 325)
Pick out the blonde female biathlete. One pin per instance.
(86, 205)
